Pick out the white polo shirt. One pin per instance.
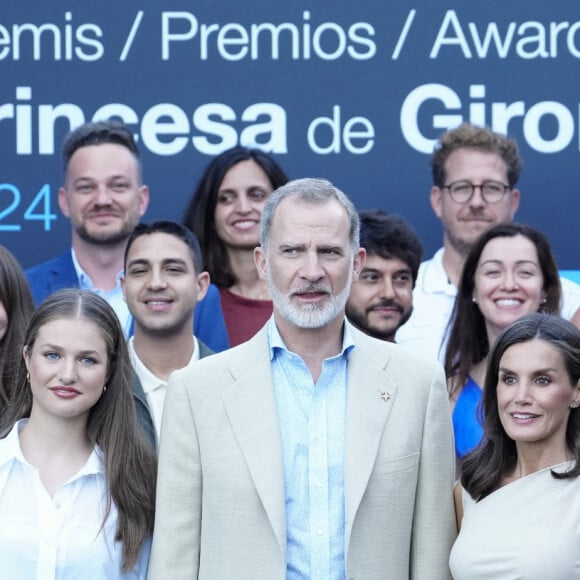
(154, 388)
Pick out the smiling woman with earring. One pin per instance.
(518, 504)
(509, 272)
(224, 213)
(77, 478)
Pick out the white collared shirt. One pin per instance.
(114, 297)
(433, 299)
(50, 538)
(154, 388)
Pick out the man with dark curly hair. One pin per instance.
(381, 298)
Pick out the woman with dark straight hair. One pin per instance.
(16, 307)
(77, 478)
(225, 213)
(509, 272)
(518, 504)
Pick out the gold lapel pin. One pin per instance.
(385, 396)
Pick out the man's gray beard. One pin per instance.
(310, 315)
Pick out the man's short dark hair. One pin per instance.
(389, 236)
(99, 133)
(172, 229)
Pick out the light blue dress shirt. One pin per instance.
(114, 297)
(312, 420)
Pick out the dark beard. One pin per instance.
(361, 323)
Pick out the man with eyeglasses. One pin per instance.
(475, 171)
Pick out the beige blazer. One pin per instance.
(220, 496)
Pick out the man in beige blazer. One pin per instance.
(236, 447)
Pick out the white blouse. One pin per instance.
(50, 538)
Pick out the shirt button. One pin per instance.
(320, 532)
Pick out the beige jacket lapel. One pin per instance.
(251, 408)
(370, 400)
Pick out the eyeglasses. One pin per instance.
(491, 191)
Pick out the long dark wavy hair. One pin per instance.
(495, 457)
(199, 216)
(468, 343)
(130, 464)
(17, 300)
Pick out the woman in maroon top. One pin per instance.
(225, 214)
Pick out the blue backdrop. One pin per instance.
(355, 92)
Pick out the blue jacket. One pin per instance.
(209, 325)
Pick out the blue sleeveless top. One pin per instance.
(466, 426)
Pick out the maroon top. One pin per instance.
(243, 316)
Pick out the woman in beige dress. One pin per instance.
(518, 504)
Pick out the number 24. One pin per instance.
(40, 202)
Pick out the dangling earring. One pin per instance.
(105, 389)
(28, 376)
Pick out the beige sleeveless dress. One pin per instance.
(528, 529)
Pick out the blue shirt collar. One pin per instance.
(84, 279)
(275, 340)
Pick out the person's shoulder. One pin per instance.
(51, 275)
(211, 373)
(569, 286)
(56, 265)
(417, 378)
(431, 274)
(570, 297)
(421, 274)
(9, 445)
(390, 353)
(435, 261)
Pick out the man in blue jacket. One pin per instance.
(104, 198)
